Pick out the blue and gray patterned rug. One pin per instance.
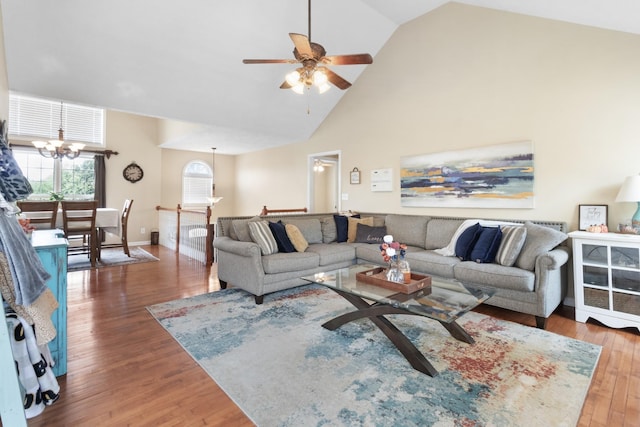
(283, 369)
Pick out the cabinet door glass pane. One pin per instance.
(626, 303)
(626, 279)
(596, 298)
(595, 275)
(625, 257)
(594, 254)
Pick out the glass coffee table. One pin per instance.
(445, 301)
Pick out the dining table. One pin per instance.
(107, 219)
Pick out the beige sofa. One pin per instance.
(535, 285)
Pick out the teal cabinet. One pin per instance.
(51, 247)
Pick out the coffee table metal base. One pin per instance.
(376, 311)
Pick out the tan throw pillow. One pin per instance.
(353, 226)
(296, 237)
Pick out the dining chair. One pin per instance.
(42, 214)
(79, 223)
(126, 209)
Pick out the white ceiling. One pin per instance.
(182, 60)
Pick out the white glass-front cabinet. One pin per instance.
(606, 272)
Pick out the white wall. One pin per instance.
(462, 77)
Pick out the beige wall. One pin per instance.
(463, 77)
(135, 139)
(173, 163)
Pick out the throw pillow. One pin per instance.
(342, 227)
(311, 229)
(241, 228)
(329, 232)
(465, 242)
(282, 240)
(540, 239)
(367, 234)
(353, 226)
(261, 234)
(510, 245)
(296, 237)
(486, 245)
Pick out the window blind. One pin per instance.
(37, 118)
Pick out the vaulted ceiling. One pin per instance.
(182, 60)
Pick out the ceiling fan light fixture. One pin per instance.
(293, 78)
(319, 78)
(298, 88)
(324, 87)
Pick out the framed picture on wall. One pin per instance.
(355, 176)
(592, 215)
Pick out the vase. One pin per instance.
(394, 274)
(405, 269)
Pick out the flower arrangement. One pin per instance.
(390, 249)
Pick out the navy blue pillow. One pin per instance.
(280, 234)
(465, 242)
(487, 244)
(342, 227)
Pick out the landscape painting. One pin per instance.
(498, 176)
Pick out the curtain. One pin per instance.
(101, 182)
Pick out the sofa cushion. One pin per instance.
(450, 249)
(329, 231)
(281, 237)
(429, 262)
(540, 239)
(283, 263)
(440, 231)
(513, 237)
(333, 253)
(353, 226)
(310, 228)
(486, 245)
(494, 275)
(296, 237)
(241, 228)
(261, 234)
(466, 240)
(371, 235)
(342, 227)
(408, 229)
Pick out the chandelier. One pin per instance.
(57, 148)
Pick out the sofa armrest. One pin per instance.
(553, 259)
(551, 280)
(227, 244)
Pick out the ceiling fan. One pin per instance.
(314, 60)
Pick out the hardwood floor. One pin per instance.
(124, 369)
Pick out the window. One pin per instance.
(73, 179)
(197, 184)
(33, 118)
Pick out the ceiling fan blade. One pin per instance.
(269, 61)
(358, 58)
(338, 81)
(302, 44)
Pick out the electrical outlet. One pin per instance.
(142, 230)
(345, 196)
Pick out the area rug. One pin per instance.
(283, 369)
(110, 257)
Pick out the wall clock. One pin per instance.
(132, 172)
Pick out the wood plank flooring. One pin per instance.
(125, 370)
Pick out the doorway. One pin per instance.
(324, 182)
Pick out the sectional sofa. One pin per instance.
(530, 277)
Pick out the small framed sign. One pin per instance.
(355, 176)
(592, 215)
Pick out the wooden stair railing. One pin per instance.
(266, 211)
(206, 223)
